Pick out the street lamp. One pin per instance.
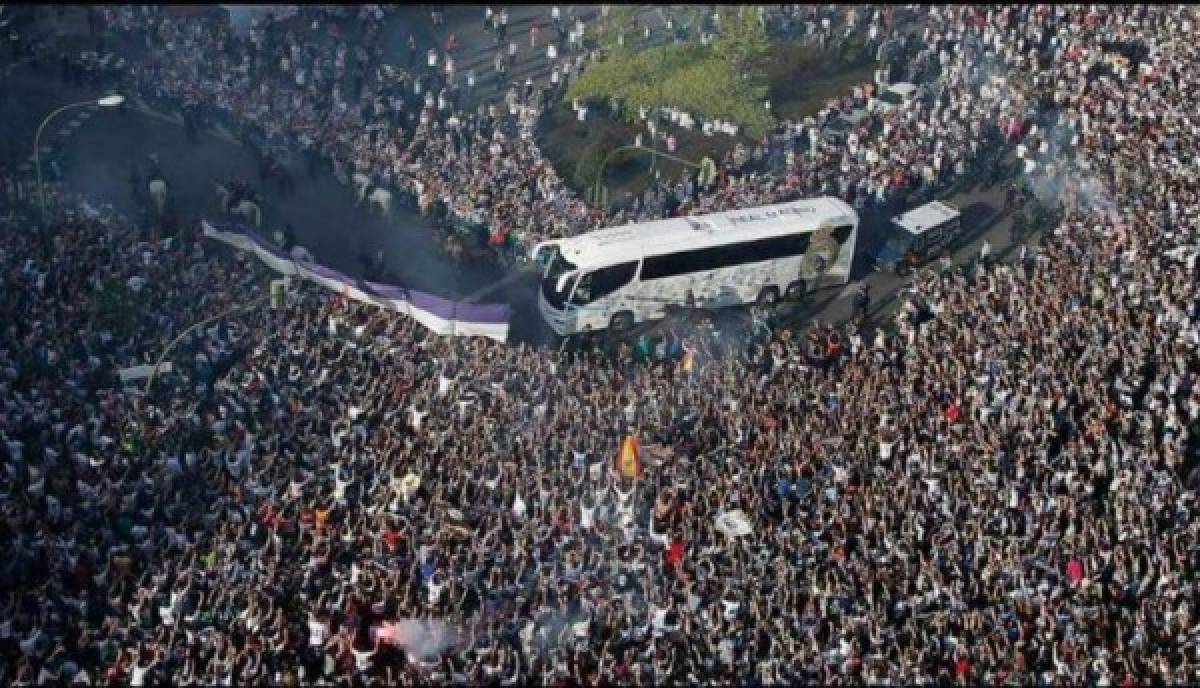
(636, 146)
(109, 101)
(236, 309)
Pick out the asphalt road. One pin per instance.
(100, 149)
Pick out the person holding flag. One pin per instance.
(628, 461)
(688, 361)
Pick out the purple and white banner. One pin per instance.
(443, 316)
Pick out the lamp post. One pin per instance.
(233, 310)
(635, 147)
(109, 101)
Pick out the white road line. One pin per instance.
(848, 290)
(178, 121)
(505, 281)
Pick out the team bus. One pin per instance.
(617, 277)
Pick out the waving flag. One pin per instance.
(688, 362)
(629, 463)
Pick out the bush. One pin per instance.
(588, 166)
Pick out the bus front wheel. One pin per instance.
(769, 296)
(621, 322)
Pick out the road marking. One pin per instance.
(850, 289)
(178, 121)
(503, 282)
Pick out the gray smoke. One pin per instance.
(241, 16)
(424, 638)
(1095, 195)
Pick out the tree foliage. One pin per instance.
(698, 79)
(588, 166)
(743, 43)
(619, 23)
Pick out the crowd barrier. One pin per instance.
(442, 316)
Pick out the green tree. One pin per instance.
(588, 167)
(690, 77)
(743, 43)
(619, 23)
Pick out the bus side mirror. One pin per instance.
(542, 256)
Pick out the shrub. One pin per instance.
(588, 166)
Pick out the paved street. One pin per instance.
(478, 45)
(100, 149)
(103, 145)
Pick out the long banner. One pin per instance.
(442, 316)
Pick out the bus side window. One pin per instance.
(600, 283)
(666, 265)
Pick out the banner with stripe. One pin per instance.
(442, 316)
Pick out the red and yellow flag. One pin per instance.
(688, 362)
(629, 463)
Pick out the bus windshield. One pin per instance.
(560, 269)
(557, 265)
(899, 239)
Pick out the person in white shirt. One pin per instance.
(138, 671)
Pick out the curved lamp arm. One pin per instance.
(632, 146)
(107, 101)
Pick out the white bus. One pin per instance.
(614, 278)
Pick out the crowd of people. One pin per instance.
(406, 129)
(414, 132)
(1000, 489)
(411, 131)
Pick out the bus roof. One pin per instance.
(933, 214)
(629, 242)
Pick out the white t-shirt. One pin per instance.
(362, 660)
(339, 485)
(435, 591)
(137, 675)
(317, 632)
(885, 449)
(415, 418)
